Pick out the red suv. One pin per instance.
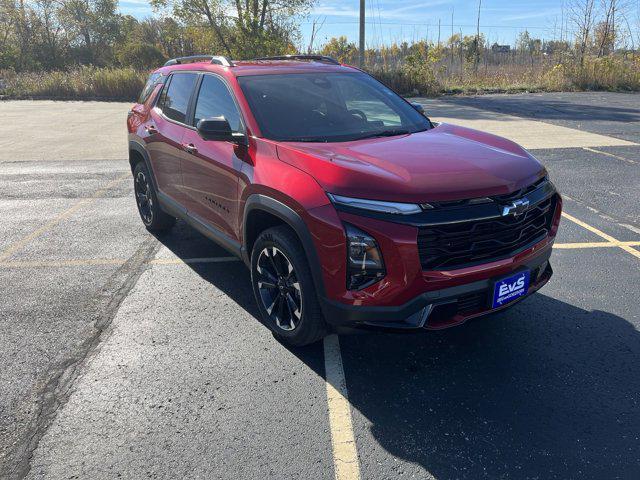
(348, 204)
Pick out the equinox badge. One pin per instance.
(517, 208)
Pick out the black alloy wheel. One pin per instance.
(279, 288)
(284, 288)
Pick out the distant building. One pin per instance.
(495, 48)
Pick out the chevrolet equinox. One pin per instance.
(350, 207)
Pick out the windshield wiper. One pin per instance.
(305, 139)
(384, 133)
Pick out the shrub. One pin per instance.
(425, 72)
(141, 56)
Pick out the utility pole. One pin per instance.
(451, 39)
(478, 36)
(361, 49)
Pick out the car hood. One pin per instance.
(442, 164)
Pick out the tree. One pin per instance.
(581, 15)
(92, 27)
(140, 55)
(471, 47)
(243, 28)
(341, 49)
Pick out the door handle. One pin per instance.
(189, 148)
(151, 130)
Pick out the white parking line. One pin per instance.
(630, 227)
(345, 455)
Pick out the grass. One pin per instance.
(608, 73)
(81, 84)
(613, 73)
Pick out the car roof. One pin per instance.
(260, 67)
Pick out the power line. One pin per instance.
(373, 22)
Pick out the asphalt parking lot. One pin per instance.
(123, 355)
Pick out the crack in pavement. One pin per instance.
(60, 377)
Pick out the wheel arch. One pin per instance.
(262, 212)
(137, 154)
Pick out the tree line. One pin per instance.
(594, 49)
(58, 34)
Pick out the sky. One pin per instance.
(407, 20)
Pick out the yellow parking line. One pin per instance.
(178, 261)
(110, 261)
(345, 455)
(83, 262)
(13, 248)
(632, 251)
(61, 263)
(577, 245)
(593, 150)
(600, 233)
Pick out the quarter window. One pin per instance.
(214, 100)
(176, 100)
(152, 81)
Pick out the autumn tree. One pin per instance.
(341, 49)
(243, 28)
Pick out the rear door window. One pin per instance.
(175, 102)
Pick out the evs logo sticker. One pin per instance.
(510, 288)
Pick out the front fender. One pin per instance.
(290, 217)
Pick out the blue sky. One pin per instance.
(397, 20)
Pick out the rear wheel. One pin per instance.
(284, 288)
(148, 206)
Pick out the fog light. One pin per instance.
(364, 260)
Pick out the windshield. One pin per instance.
(328, 107)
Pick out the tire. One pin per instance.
(147, 201)
(284, 288)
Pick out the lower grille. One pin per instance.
(472, 302)
(457, 245)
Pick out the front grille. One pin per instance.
(457, 245)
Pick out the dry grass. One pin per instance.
(608, 73)
(614, 73)
(81, 84)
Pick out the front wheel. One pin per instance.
(284, 288)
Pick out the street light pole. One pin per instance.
(361, 49)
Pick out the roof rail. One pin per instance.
(215, 59)
(317, 58)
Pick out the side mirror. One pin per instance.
(418, 107)
(217, 128)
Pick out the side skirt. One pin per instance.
(173, 208)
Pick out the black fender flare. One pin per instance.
(292, 219)
(140, 149)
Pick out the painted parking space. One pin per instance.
(133, 355)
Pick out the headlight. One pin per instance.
(364, 260)
(376, 205)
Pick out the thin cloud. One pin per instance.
(527, 16)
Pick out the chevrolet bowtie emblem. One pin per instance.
(517, 208)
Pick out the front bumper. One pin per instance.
(435, 309)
